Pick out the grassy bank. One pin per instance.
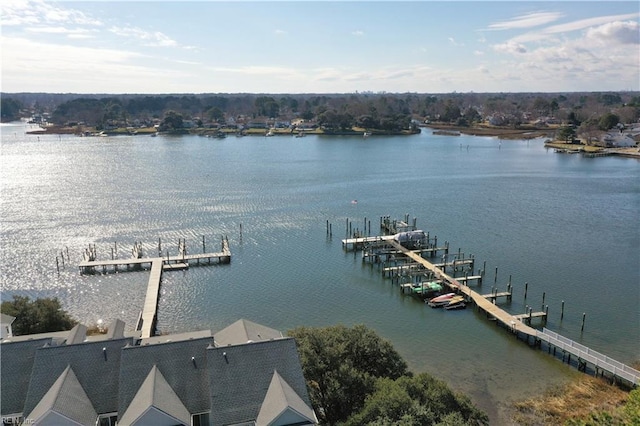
(586, 401)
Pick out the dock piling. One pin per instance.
(583, 316)
(562, 311)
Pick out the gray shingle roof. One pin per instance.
(183, 364)
(95, 364)
(6, 319)
(16, 362)
(67, 398)
(116, 329)
(243, 331)
(240, 377)
(77, 334)
(155, 392)
(280, 402)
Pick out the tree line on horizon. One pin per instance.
(386, 111)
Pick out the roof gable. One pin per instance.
(282, 406)
(95, 364)
(156, 403)
(66, 398)
(244, 331)
(183, 365)
(240, 377)
(16, 363)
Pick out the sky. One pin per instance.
(281, 47)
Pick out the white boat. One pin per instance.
(270, 133)
(366, 134)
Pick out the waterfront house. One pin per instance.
(245, 374)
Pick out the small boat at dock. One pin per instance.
(456, 302)
(441, 300)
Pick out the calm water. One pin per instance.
(567, 225)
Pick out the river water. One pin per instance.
(566, 225)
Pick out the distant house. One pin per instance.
(257, 125)
(617, 139)
(246, 374)
(6, 321)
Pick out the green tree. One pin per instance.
(267, 106)
(10, 109)
(566, 133)
(215, 114)
(38, 316)
(608, 121)
(172, 121)
(417, 400)
(341, 366)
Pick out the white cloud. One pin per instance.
(527, 21)
(454, 42)
(56, 66)
(616, 32)
(280, 32)
(510, 47)
(586, 23)
(253, 70)
(357, 33)
(59, 30)
(148, 38)
(33, 12)
(551, 31)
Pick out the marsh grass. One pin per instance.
(582, 401)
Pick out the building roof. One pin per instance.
(6, 319)
(156, 393)
(168, 338)
(16, 362)
(162, 380)
(244, 331)
(95, 364)
(248, 369)
(282, 405)
(183, 365)
(66, 398)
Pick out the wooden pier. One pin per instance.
(148, 317)
(520, 324)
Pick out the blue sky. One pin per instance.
(319, 47)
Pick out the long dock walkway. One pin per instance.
(517, 324)
(508, 320)
(148, 316)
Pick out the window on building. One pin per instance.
(109, 419)
(201, 419)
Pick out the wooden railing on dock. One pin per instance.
(584, 354)
(521, 324)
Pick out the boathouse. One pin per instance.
(244, 374)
